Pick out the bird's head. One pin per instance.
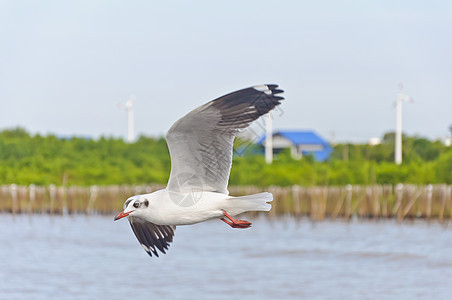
(133, 206)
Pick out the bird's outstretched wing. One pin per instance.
(152, 237)
(200, 143)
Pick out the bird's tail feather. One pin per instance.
(255, 202)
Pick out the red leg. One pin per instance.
(234, 223)
(227, 222)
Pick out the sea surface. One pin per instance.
(92, 257)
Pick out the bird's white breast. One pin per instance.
(169, 208)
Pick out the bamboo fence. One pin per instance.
(376, 201)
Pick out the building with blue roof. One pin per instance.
(301, 143)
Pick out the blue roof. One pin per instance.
(299, 137)
(304, 137)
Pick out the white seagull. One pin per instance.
(200, 145)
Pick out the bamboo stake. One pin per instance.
(62, 195)
(52, 195)
(326, 192)
(387, 191)
(32, 197)
(296, 200)
(369, 202)
(377, 192)
(313, 200)
(399, 197)
(92, 197)
(443, 196)
(410, 205)
(14, 200)
(361, 196)
(348, 203)
(429, 201)
(448, 198)
(339, 204)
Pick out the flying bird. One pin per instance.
(200, 146)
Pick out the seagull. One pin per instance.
(200, 146)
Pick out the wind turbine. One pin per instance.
(130, 120)
(398, 138)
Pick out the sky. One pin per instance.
(65, 65)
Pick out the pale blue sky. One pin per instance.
(65, 64)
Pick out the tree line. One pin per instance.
(42, 160)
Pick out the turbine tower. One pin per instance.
(449, 140)
(398, 138)
(269, 138)
(130, 118)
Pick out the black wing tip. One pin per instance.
(269, 89)
(272, 86)
(152, 250)
(259, 98)
(149, 250)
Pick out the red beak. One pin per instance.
(122, 215)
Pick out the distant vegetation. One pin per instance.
(43, 160)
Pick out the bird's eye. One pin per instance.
(136, 204)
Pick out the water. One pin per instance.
(92, 257)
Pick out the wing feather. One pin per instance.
(152, 237)
(200, 143)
